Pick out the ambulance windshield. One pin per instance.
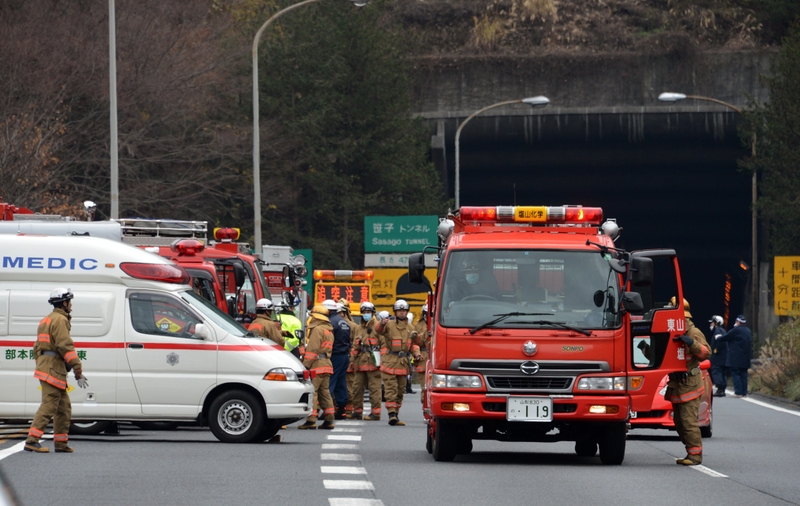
(562, 288)
(213, 313)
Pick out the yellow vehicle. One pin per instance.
(353, 286)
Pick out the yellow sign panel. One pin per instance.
(530, 214)
(168, 325)
(787, 286)
(388, 285)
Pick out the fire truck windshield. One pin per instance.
(568, 288)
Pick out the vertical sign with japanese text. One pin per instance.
(393, 234)
(787, 286)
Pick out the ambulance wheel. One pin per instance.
(428, 439)
(88, 428)
(612, 445)
(585, 448)
(270, 428)
(444, 442)
(236, 416)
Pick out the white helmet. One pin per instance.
(717, 319)
(400, 304)
(265, 304)
(330, 305)
(367, 306)
(424, 308)
(383, 315)
(60, 295)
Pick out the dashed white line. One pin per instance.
(339, 446)
(342, 437)
(351, 501)
(348, 485)
(340, 456)
(710, 472)
(346, 429)
(342, 470)
(350, 422)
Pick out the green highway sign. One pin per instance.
(391, 234)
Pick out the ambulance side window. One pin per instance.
(162, 316)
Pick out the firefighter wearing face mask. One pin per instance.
(396, 348)
(365, 359)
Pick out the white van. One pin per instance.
(151, 348)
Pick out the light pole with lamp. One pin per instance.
(539, 101)
(754, 292)
(256, 133)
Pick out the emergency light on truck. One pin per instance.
(343, 275)
(534, 214)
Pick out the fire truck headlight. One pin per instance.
(455, 381)
(601, 383)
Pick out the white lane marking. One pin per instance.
(355, 429)
(340, 456)
(710, 472)
(348, 485)
(339, 446)
(349, 422)
(764, 404)
(342, 470)
(352, 501)
(12, 450)
(342, 437)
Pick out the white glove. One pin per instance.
(83, 382)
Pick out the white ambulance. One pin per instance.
(152, 349)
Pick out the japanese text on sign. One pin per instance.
(387, 234)
(787, 286)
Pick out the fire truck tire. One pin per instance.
(585, 448)
(428, 439)
(445, 443)
(464, 446)
(236, 416)
(612, 445)
(88, 428)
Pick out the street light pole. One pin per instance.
(532, 101)
(112, 80)
(754, 291)
(256, 127)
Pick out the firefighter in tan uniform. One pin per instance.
(421, 338)
(317, 359)
(367, 373)
(685, 388)
(264, 325)
(54, 352)
(396, 348)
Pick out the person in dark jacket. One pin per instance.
(719, 352)
(740, 351)
(340, 358)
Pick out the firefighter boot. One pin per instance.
(63, 448)
(327, 425)
(372, 418)
(36, 447)
(689, 460)
(393, 419)
(308, 425)
(340, 414)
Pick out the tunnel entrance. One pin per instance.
(668, 187)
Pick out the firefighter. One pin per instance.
(396, 348)
(344, 313)
(685, 388)
(317, 359)
(365, 357)
(55, 357)
(264, 325)
(421, 338)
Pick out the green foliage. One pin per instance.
(336, 80)
(775, 16)
(777, 126)
(779, 372)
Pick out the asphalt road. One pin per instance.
(751, 460)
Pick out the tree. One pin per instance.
(777, 126)
(337, 80)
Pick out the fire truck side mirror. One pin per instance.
(288, 277)
(641, 271)
(239, 275)
(416, 268)
(632, 302)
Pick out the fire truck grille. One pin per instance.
(528, 383)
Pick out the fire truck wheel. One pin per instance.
(236, 416)
(585, 448)
(428, 439)
(444, 442)
(612, 445)
(464, 446)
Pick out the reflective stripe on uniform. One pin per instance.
(694, 450)
(43, 338)
(60, 438)
(395, 372)
(323, 369)
(70, 356)
(35, 432)
(390, 405)
(688, 396)
(43, 376)
(328, 411)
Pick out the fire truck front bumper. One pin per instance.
(528, 408)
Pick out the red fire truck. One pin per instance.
(532, 331)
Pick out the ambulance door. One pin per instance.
(653, 351)
(172, 369)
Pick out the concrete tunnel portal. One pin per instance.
(670, 179)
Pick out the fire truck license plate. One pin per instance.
(529, 409)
